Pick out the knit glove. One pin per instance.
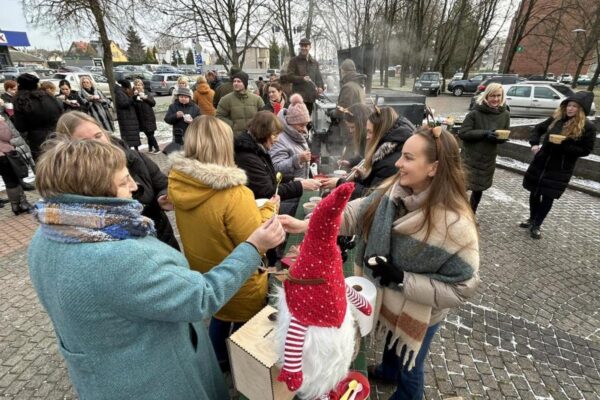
(384, 270)
(491, 136)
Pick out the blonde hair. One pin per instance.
(383, 119)
(83, 167)
(84, 78)
(573, 128)
(489, 89)
(201, 79)
(68, 123)
(209, 140)
(183, 79)
(136, 81)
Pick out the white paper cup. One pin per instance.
(340, 173)
(8, 106)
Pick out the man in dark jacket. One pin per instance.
(181, 113)
(303, 72)
(225, 87)
(240, 106)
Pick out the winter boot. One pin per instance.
(3, 202)
(535, 232)
(27, 186)
(18, 201)
(526, 224)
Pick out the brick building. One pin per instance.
(555, 42)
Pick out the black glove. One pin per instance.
(491, 136)
(384, 270)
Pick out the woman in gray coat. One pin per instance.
(480, 141)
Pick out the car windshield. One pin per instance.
(157, 78)
(429, 77)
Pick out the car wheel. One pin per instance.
(458, 91)
(435, 93)
(171, 91)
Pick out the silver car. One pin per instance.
(164, 83)
(530, 99)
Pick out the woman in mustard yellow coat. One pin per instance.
(215, 212)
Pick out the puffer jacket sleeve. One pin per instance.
(224, 111)
(175, 293)
(283, 161)
(582, 147)
(159, 180)
(352, 218)
(242, 216)
(538, 131)
(171, 115)
(468, 132)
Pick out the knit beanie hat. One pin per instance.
(297, 113)
(242, 76)
(28, 81)
(184, 92)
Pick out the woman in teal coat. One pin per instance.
(126, 309)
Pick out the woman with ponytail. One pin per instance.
(419, 245)
(552, 166)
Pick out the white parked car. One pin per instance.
(74, 79)
(536, 99)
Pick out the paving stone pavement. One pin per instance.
(531, 332)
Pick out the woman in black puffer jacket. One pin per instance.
(144, 103)
(128, 120)
(36, 113)
(552, 166)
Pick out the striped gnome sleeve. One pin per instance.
(291, 373)
(358, 300)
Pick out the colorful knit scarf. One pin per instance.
(82, 219)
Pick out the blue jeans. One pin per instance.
(219, 331)
(411, 384)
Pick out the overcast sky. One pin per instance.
(12, 19)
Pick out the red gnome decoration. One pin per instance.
(316, 329)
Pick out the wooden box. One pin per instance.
(253, 356)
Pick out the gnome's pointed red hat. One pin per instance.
(315, 289)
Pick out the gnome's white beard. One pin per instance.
(326, 355)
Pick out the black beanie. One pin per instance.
(242, 76)
(28, 82)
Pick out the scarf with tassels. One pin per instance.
(407, 320)
(81, 219)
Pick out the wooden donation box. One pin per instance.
(253, 357)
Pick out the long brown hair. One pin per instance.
(448, 189)
(573, 128)
(383, 119)
(358, 114)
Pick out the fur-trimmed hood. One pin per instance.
(195, 182)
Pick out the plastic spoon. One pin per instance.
(358, 389)
(351, 386)
(278, 178)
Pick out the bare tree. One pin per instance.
(590, 24)
(530, 14)
(453, 13)
(230, 26)
(282, 11)
(96, 15)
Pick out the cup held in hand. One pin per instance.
(502, 134)
(309, 207)
(339, 173)
(556, 139)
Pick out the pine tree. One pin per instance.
(135, 47)
(274, 54)
(179, 58)
(189, 58)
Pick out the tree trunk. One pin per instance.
(309, 19)
(597, 72)
(106, 53)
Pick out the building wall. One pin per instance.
(257, 58)
(565, 46)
